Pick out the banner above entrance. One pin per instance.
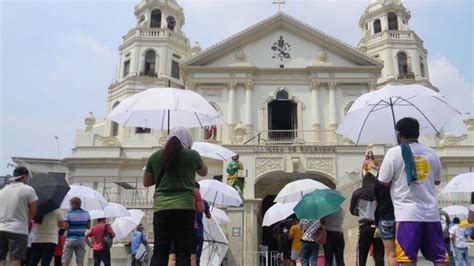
(293, 149)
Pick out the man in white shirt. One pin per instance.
(412, 170)
(17, 208)
(458, 236)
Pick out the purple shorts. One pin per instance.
(424, 236)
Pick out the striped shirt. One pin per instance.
(78, 220)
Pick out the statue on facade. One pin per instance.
(89, 121)
(236, 178)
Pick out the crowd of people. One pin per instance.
(397, 210)
(396, 206)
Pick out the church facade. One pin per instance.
(282, 86)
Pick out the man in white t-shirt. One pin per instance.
(458, 236)
(17, 208)
(412, 170)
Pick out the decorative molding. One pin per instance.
(191, 85)
(249, 85)
(108, 141)
(453, 140)
(314, 84)
(240, 55)
(332, 85)
(351, 93)
(324, 165)
(211, 93)
(89, 121)
(265, 165)
(232, 85)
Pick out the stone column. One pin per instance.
(332, 112)
(250, 227)
(248, 107)
(314, 85)
(231, 110)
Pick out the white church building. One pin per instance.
(282, 85)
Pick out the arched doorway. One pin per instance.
(267, 187)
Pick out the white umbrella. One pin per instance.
(373, 117)
(294, 191)
(91, 199)
(220, 216)
(278, 212)
(165, 108)
(213, 151)
(215, 244)
(219, 193)
(112, 210)
(460, 183)
(122, 226)
(456, 211)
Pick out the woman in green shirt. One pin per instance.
(172, 170)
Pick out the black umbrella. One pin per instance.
(51, 190)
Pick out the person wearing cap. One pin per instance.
(76, 223)
(172, 170)
(138, 238)
(18, 203)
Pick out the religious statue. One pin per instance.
(210, 132)
(234, 179)
(90, 122)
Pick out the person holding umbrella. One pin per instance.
(172, 170)
(18, 203)
(45, 238)
(412, 171)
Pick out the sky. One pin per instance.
(58, 57)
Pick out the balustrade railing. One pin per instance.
(390, 34)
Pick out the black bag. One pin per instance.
(107, 240)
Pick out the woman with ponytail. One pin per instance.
(172, 170)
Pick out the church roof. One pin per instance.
(279, 20)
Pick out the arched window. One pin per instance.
(150, 62)
(282, 95)
(377, 26)
(115, 126)
(155, 20)
(171, 21)
(402, 65)
(392, 21)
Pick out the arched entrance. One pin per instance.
(268, 186)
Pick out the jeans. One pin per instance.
(334, 248)
(173, 226)
(309, 251)
(366, 239)
(43, 252)
(462, 255)
(102, 256)
(57, 261)
(199, 243)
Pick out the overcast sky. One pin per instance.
(59, 57)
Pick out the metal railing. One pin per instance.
(262, 258)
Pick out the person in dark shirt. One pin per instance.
(385, 220)
(363, 205)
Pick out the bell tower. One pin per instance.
(387, 37)
(149, 55)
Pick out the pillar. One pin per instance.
(231, 110)
(332, 112)
(248, 107)
(314, 85)
(250, 227)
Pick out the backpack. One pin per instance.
(107, 240)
